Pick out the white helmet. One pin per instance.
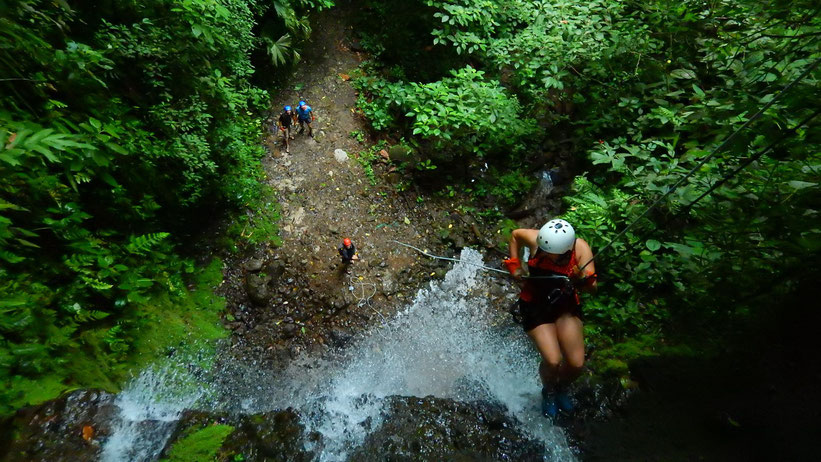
(556, 236)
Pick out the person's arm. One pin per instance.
(587, 276)
(312, 115)
(519, 238)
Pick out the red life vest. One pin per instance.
(538, 290)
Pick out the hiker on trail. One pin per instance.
(284, 123)
(347, 251)
(305, 115)
(549, 306)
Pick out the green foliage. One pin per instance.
(750, 236)
(102, 356)
(511, 186)
(642, 92)
(201, 445)
(260, 223)
(121, 126)
(368, 158)
(462, 114)
(280, 49)
(545, 44)
(358, 135)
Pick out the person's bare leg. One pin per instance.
(545, 338)
(570, 335)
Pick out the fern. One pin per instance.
(96, 283)
(83, 316)
(141, 245)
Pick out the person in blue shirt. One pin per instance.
(305, 115)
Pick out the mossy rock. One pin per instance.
(65, 429)
(202, 444)
(400, 153)
(276, 435)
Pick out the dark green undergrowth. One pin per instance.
(637, 95)
(188, 321)
(125, 129)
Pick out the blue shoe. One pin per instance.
(549, 407)
(564, 402)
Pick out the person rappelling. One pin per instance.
(560, 265)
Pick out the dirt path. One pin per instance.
(308, 299)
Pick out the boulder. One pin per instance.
(400, 154)
(340, 156)
(442, 429)
(256, 286)
(69, 428)
(253, 265)
(275, 435)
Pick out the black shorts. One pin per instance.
(535, 314)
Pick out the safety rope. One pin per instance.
(486, 268)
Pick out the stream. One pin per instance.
(447, 343)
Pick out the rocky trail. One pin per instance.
(299, 296)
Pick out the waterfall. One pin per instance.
(148, 411)
(445, 343)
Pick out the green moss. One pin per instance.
(262, 225)
(186, 322)
(36, 391)
(614, 358)
(200, 446)
(191, 322)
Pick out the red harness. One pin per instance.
(541, 265)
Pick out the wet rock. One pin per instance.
(339, 338)
(69, 428)
(289, 330)
(441, 429)
(389, 284)
(275, 269)
(253, 265)
(276, 435)
(256, 286)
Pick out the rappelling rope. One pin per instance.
(486, 268)
(365, 300)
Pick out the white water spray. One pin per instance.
(149, 408)
(443, 344)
